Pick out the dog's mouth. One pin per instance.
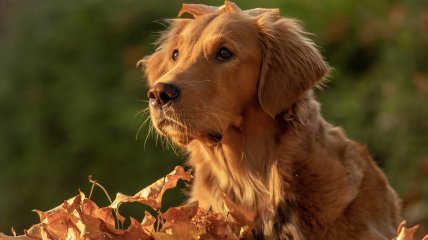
(183, 134)
(215, 137)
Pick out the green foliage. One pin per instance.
(69, 93)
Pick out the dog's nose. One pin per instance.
(163, 93)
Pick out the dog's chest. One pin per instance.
(226, 173)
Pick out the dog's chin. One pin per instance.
(211, 139)
(183, 137)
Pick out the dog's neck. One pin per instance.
(244, 165)
(264, 164)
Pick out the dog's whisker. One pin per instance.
(141, 127)
(162, 141)
(221, 113)
(148, 134)
(142, 111)
(219, 126)
(157, 139)
(171, 145)
(192, 82)
(165, 143)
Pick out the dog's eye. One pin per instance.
(174, 55)
(224, 54)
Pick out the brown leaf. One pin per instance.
(23, 237)
(183, 230)
(81, 218)
(34, 231)
(163, 236)
(241, 214)
(215, 225)
(92, 209)
(56, 223)
(183, 213)
(94, 222)
(177, 174)
(406, 233)
(45, 234)
(148, 223)
(152, 195)
(135, 232)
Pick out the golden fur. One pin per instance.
(254, 131)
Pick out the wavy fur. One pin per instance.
(277, 156)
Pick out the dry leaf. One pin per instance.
(152, 195)
(216, 225)
(163, 236)
(183, 213)
(135, 232)
(23, 237)
(184, 230)
(80, 218)
(148, 223)
(407, 233)
(241, 215)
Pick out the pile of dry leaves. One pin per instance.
(80, 218)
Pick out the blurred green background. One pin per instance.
(70, 94)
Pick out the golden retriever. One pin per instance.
(234, 88)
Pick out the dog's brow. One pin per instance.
(211, 43)
(194, 30)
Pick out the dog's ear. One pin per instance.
(260, 11)
(198, 10)
(291, 63)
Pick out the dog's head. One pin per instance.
(206, 70)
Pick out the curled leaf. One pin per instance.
(183, 213)
(23, 237)
(163, 236)
(241, 214)
(148, 223)
(81, 218)
(405, 233)
(152, 195)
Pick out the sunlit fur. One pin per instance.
(277, 157)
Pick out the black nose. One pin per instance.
(163, 93)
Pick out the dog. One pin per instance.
(234, 89)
